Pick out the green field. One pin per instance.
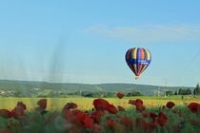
(86, 103)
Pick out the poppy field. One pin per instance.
(114, 115)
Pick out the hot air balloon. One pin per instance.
(138, 59)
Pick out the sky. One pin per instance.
(86, 41)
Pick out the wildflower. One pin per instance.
(97, 116)
(163, 107)
(144, 114)
(112, 109)
(170, 104)
(140, 107)
(120, 108)
(110, 123)
(88, 123)
(162, 119)
(120, 95)
(136, 102)
(101, 104)
(132, 102)
(153, 115)
(79, 115)
(70, 105)
(127, 122)
(5, 113)
(194, 107)
(19, 110)
(42, 104)
(68, 115)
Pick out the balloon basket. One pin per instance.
(136, 77)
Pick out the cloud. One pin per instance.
(156, 33)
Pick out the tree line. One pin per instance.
(182, 91)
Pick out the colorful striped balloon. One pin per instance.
(138, 59)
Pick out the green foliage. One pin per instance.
(134, 93)
(169, 93)
(196, 90)
(184, 91)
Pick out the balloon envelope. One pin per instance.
(138, 59)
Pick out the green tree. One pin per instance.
(169, 93)
(184, 91)
(197, 90)
(134, 93)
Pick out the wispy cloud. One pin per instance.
(152, 33)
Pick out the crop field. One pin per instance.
(86, 103)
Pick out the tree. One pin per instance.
(176, 93)
(169, 93)
(197, 90)
(188, 91)
(184, 91)
(134, 93)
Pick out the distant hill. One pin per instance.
(28, 88)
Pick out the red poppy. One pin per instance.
(194, 107)
(42, 104)
(80, 116)
(144, 114)
(19, 110)
(163, 107)
(112, 109)
(120, 108)
(70, 105)
(21, 105)
(110, 123)
(120, 95)
(140, 107)
(5, 113)
(153, 115)
(68, 115)
(162, 119)
(127, 122)
(101, 104)
(97, 116)
(88, 123)
(170, 104)
(136, 102)
(132, 102)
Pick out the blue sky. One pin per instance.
(85, 42)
